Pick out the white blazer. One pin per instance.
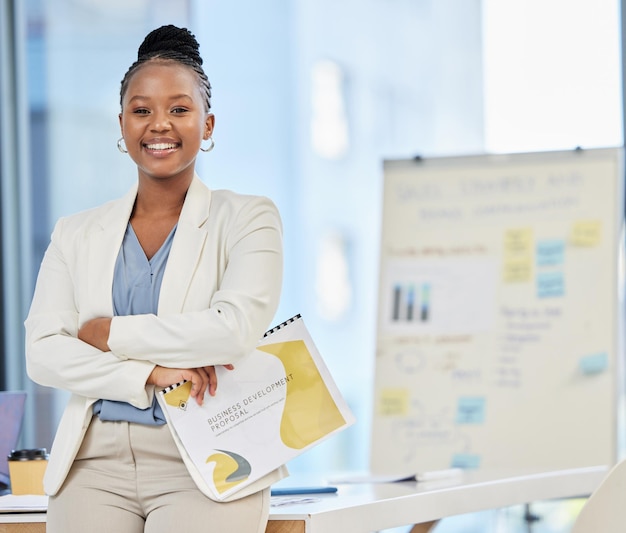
(219, 293)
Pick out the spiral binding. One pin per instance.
(282, 325)
(172, 387)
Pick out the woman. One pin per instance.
(145, 291)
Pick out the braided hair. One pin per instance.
(169, 43)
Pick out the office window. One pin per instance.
(13, 191)
(552, 75)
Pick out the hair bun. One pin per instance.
(171, 39)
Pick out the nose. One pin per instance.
(160, 121)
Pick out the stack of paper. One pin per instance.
(23, 504)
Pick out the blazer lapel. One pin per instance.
(186, 249)
(103, 245)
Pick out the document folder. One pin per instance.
(278, 402)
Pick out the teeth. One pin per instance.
(160, 146)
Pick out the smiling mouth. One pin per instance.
(161, 146)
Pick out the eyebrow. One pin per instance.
(173, 97)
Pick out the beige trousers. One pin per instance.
(129, 478)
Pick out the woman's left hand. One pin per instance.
(202, 379)
(210, 370)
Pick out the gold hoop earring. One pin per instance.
(120, 147)
(210, 147)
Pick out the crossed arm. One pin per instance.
(96, 333)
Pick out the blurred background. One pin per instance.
(310, 97)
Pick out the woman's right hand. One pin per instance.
(201, 379)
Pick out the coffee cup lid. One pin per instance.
(28, 455)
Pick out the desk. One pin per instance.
(363, 508)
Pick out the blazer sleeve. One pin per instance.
(55, 357)
(239, 312)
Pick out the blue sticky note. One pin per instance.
(594, 363)
(470, 410)
(550, 252)
(550, 284)
(465, 460)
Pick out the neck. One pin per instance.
(160, 198)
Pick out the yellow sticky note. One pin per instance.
(518, 242)
(515, 271)
(586, 233)
(517, 257)
(393, 402)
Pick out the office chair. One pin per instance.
(605, 510)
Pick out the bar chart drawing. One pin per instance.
(411, 302)
(436, 296)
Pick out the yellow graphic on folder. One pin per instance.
(310, 411)
(179, 396)
(230, 469)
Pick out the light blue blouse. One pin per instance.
(136, 288)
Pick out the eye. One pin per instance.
(179, 109)
(140, 111)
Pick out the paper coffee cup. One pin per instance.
(26, 469)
